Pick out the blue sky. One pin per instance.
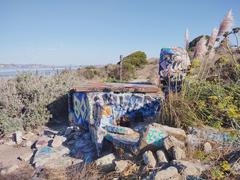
(81, 32)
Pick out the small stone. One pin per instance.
(207, 147)
(178, 153)
(149, 159)
(42, 141)
(57, 141)
(171, 141)
(169, 173)
(18, 137)
(121, 165)
(106, 163)
(161, 156)
(27, 143)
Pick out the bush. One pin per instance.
(27, 101)
(136, 59)
(90, 72)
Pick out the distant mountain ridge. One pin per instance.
(28, 66)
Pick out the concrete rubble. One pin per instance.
(121, 165)
(169, 173)
(106, 163)
(149, 159)
(57, 141)
(18, 137)
(161, 157)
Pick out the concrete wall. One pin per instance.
(105, 114)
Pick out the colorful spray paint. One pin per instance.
(101, 113)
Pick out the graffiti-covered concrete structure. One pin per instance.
(114, 111)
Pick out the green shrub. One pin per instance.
(27, 101)
(136, 59)
(90, 72)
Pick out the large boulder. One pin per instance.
(106, 163)
(188, 168)
(169, 173)
(171, 141)
(149, 159)
(47, 154)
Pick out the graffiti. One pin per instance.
(173, 66)
(104, 110)
(213, 135)
(155, 136)
(81, 108)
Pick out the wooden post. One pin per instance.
(121, 58)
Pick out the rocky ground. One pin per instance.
(58, 150)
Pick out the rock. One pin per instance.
(27, 143)
(152, 137)
(18, 137)
(171, 141)
(207, 147)
(169, 173)
(106, 163)
(47, 154)
(42, 141)
(57, 141)
(68, 131)
(62, 162)
(26, 156)
(211, 134)
(176, 132)
(8, 170)
(149, 159)
(161, 157)
(178, 153)
(121, 165)
(188, 168)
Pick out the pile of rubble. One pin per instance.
(43, 150)
(170, 161)
(163, 152)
